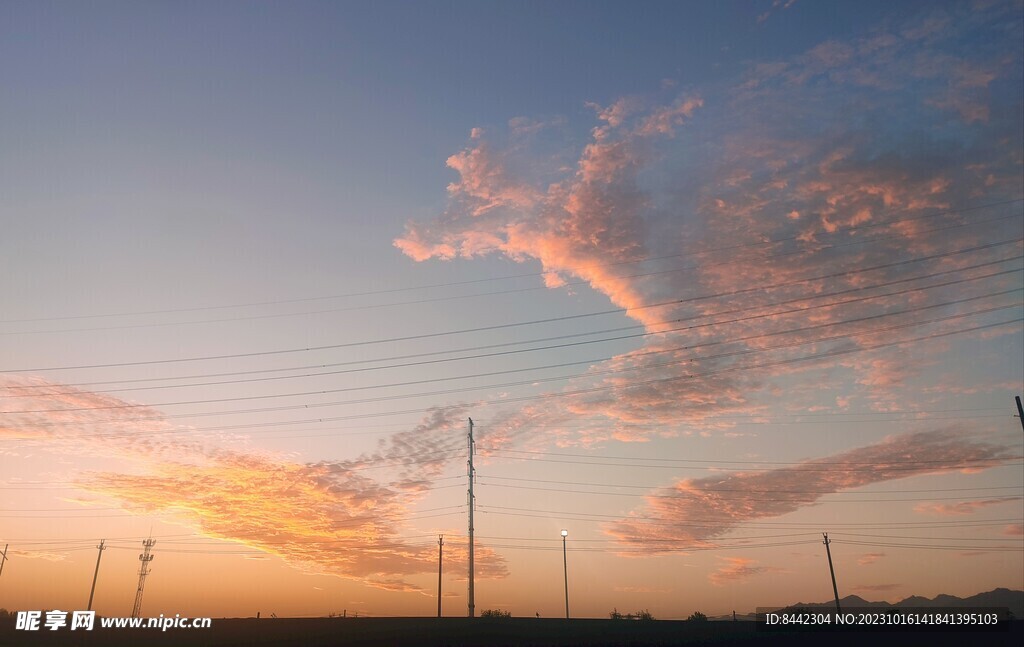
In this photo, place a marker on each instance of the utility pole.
(145, 558)
(96, 573)
(440, 548)
(565, 572)
(3, 558)
(472, 505)
(1020, 411)
(831, 571)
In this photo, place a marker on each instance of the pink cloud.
(836, 196)
(576, 224)
(869, 558)
(484, 181)
(737, 569)
(961, 507)
(692, 512)
(665, 120)
(616, 113)
(968, 93)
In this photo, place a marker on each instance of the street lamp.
(565, 569)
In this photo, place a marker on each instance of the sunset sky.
(711, 278)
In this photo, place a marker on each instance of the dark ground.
(361, 632)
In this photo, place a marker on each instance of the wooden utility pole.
(440, 548)
(472, 505)
(96, 573)
(835, 591)
(1020, 411)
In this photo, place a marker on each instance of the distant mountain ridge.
(1014, 600)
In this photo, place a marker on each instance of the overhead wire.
(698, 488)
(492, 387)
(957, 547)
(49, 388)
(698, 522)
(568, 393)
(892, 313)
(485, 448)
(735, 292)
(794, 499)
(842, 229)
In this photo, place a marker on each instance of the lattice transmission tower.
(145, 558)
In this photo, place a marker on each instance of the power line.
(684, 497)
(749, 490)
(133, 538)
(929, 537)
(680, 547)
(154, 513)
(193, 539)
(979, 462)
(588, 423)
(588, 361)
(47, 485)
(894, 313)
(79, 509)
(518, 324)
(576, 515)
(525, 350)
(573, 270)
(346, 431)
(545, 396)
(999, 549)
(700, 461)
(653, 540)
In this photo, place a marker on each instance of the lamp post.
(565, 570)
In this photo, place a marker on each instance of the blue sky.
(277, 121)
(801, 220)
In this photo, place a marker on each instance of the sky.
(711, 280)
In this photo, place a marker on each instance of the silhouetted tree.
(697, 616)
(639, 615)
(495, 613)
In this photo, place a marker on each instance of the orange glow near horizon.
(754, 275)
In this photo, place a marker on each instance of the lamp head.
(565, 533)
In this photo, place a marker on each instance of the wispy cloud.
(869, 558)
(738, 569)
(960, 507)
(46, 555)
(640, 589)
(877, 588)
(777, 5)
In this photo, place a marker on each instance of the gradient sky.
(711, 278)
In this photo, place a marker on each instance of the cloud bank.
(325, 517)
(889, 159)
